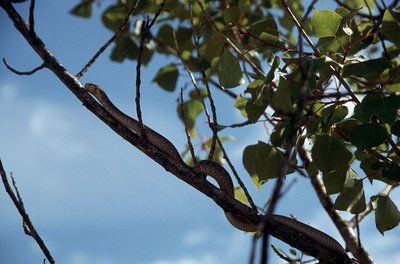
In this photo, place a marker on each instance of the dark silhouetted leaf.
(330, 154)
(387, 215)
(229, 72)
(367, 136)
(166, 77)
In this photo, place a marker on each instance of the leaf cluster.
(335, 94)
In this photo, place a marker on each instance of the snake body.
(214, 170)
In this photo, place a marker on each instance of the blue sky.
(92, 196)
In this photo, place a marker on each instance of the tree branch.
(344, 229)
(180, 170)
(29, 228)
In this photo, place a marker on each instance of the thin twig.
(23, 72)
(32, 16)
(18, 203)
(308, 11)
(143, 33)
(238, 179)
(189, 141)
(145, 29)
(214, 124)
(108, 43)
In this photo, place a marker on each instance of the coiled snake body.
(212, 169)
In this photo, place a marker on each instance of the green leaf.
(363, 69)
(124, 48)
(192, 110)
(261, 94)
(166, 77)
(281, 99)
(330, 154)
(239, 195)
(231, 15)
(262, 162)
(390, 171)
(387, 215)
(214, 45)
(83, 9)
(267, 28)
(385, 108)
(229, 72)
(391, 26)
(367, 136)
(240, 104)
(395, 128)
(325, 23)
(114, 16)
(334, 180)
(351, 197)
(332, 115)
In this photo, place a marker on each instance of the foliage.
(307, 94)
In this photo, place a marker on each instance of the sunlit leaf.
(325, 23)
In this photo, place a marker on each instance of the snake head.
(93, 89)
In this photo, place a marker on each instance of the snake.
(212, 169)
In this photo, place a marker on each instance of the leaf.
(325, 23)
(332, 115)
(334, 180)
(262, 162)
(369, 67)
(239, 195)
(261, 94)
(192, 110)
(351, 197)
(167, 77)
(267, 28)
(330, 154)
(114, 16)
(231, 15)
(391, 26)
(390, 171)
(281, 99)
(387, 215)
(367, 136)
(240, 104)
(385, 108)
(214, 45)
(395, 128)
(124, 48)
(229, 72)
(83, 9)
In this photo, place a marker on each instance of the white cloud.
(47, 120)
(195, 237)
